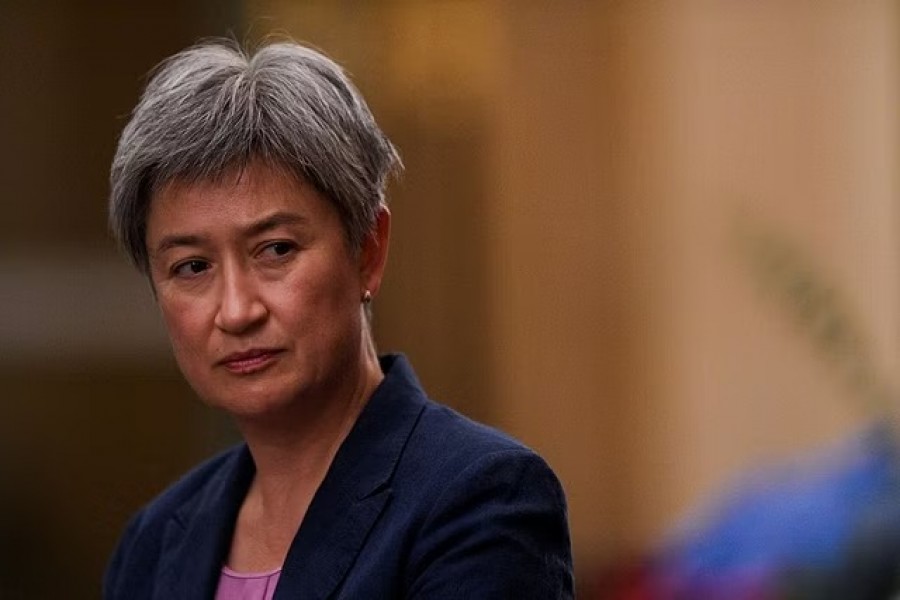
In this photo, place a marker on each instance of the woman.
(250, 191)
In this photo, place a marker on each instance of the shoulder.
(456, 446)
(139, 546)
(460, 449)
(495, 521)
(435, 443)
(442, 424)
(189, 489)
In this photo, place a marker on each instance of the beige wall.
(555, 294)
(778, 118)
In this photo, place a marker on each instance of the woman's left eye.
(278, 249)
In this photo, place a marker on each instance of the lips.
(250, 361)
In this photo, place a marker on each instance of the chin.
(251, 407)
(246, 399)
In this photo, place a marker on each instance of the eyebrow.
(274, 220)
(263, 225)
(174, 241)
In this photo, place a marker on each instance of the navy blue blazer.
(419, 502)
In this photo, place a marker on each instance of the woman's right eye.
(190, 268)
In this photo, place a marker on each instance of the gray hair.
(214, 107)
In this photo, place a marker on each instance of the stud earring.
(367, 297)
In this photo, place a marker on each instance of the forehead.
(239, 198)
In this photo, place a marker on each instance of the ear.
(374, 251)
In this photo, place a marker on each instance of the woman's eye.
(190, 268)
(278, 249)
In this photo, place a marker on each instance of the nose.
(241, 309)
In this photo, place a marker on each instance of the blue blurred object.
(826, 527)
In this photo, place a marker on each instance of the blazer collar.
(351, 497)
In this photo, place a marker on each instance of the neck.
(299, 447)
(292, 454)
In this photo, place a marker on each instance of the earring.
(367, 297)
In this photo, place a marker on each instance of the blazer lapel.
(355, 491)
(198, 536)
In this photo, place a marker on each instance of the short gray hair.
(215, 107)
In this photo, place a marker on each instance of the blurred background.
(656, 241)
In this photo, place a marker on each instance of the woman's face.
(259, 289)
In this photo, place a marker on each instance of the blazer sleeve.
(499, 530)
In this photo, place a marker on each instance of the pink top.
(247, 586)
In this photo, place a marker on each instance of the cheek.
(184, 325)
(324, 286)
